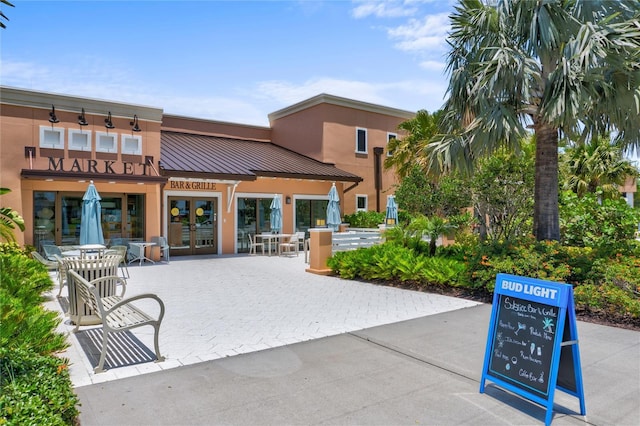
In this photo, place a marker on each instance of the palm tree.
(9, 219)
(563, 68)
(596, 165)
(2, 15)
(409, 151)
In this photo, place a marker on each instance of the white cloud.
(410, 95)
(418, 35)
(383, 9)
(433, 66)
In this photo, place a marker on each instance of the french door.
(193, 225)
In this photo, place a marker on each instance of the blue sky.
(233, 61)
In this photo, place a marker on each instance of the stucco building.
(202, 183)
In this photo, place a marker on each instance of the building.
(204, 184)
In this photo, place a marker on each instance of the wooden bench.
(117, 314)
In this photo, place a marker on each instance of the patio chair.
(253, 244)
(289, 245)
(135, 253)
(51, 251)
(122, 251)
(300, 235)
(51, 265)
(164, 247)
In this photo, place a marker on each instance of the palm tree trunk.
(546, 221)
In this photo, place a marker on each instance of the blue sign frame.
(532, 345)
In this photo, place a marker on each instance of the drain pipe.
(377, 171)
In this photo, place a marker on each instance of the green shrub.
(608, 299)
(608, 225)
(35, 384)
(25, 322)
(369, 219)
(392, 262)
(36, 389)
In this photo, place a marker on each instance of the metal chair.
(122, 251)
(51, 251)
(253, 244)
(164, 247)
(289, 245)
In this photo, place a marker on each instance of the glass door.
(192, 225)
(253, 217)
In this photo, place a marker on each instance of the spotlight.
(82, 119)
(108, 123)
(135, 127)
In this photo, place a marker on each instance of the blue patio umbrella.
(392, 211)
(90, 221)
(333, 209)
(276, 214)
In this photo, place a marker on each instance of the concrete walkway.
(365, 355)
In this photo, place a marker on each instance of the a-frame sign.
(532, 347)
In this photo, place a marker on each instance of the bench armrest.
(138, 297)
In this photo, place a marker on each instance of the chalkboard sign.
(532, 346)
(523, 343)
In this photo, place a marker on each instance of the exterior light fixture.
(82, 120)
(135, 127)
(52, 116)
(108, 123)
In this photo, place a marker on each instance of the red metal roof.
(213, 157)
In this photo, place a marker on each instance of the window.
(106, 142)
(361, 141)
(361, 203)
(132, 144)
(51, 137)
(389, 137)
(79, 140)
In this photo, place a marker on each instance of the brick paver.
(223, 306)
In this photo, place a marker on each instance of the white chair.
(300, 235)
(253, 244)
(289, 245)
(164, 247)
(122, 251)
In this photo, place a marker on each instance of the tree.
(409, 151)
(503, 194)
(9, 219)
(2, 15)
(563, 68)
(596, 165)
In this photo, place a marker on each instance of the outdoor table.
(90, 269)
(91, 249)
(141, 256)
(269, 238)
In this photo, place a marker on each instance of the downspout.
(377, 171)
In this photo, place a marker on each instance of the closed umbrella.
(276, 214)
(333, 209)
(90, 221)
(392, 211)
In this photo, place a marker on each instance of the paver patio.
(228, 305)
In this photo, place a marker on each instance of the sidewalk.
(421, 371)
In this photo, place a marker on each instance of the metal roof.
(213, 157)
